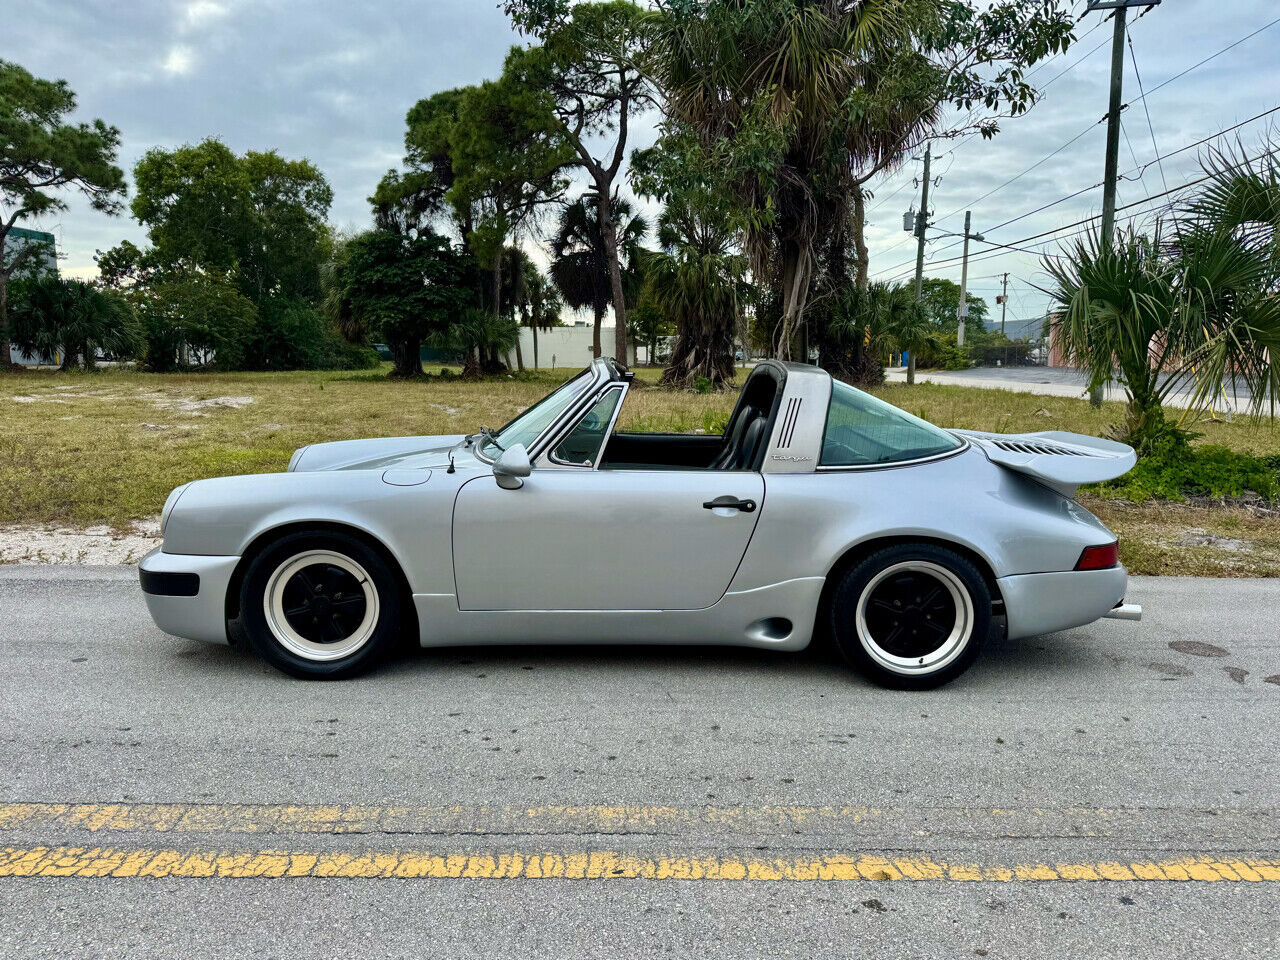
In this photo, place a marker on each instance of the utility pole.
(962, 311)
(922, 224)
(1004, 303)
(921, 229)
(1119, 13)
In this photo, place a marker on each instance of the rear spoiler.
(1057, 459)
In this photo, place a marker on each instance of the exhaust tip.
(1124, 611)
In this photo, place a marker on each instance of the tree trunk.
(534, 328)
(692, 360)
(609, 236)
(497, 284)
(861, 258)
(701, 354)
(595, 336)
(519, 354)
(406, 358)
(796, 268)
(911, 367)
(471, 367)
(6, 359)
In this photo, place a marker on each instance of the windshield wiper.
(492, 438)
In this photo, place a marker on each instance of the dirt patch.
(93, 545)
(1199, 538)
(1195, 648)
(199, 408)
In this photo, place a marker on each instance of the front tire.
(911, 616)
(320, 606)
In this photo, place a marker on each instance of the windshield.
(527, 426)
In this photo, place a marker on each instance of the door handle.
(732, 503)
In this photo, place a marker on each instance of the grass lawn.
(106, 448)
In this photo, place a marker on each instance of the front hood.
(382, 453)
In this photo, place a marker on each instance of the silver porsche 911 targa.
(820, 509)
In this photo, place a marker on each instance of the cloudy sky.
(331, 80)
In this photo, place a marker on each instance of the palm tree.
(695, 282)
(579, 261)
(878, 319)
(767, 84)
(481, 334)
(1191, 311)
(52, 315)
(539, 303)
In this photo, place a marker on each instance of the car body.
(591, 534)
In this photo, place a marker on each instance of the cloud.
(331, 80)
(201, 13)
(179, 60)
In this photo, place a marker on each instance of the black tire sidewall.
(849, 589)
(253, 621)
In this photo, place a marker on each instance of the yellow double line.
(598, 865)
(692, 826)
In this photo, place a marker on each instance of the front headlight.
(297, 455)
(169, 504)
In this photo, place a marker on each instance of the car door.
(587, 539)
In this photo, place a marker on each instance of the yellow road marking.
(64, 861)
(45, 834)
(600, 819)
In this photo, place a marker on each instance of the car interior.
(740, 447)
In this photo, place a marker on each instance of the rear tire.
(320, 606)
(911, 616)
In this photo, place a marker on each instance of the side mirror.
(511, 466)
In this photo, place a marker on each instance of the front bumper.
(187, 595)
(1037, 603)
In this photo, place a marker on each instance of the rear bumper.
(187, 594)
(1037, 603)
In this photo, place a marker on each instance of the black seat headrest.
(733, 441)
(750, 444)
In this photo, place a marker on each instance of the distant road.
(1112, 791)
(1051, 381)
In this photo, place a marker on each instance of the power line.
(973, 113)
(1082, 224)
(1095, 186)
(1212, 56)
(1141, 99)
(1133, 57)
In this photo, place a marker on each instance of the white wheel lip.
(949, 650)
(294, 642)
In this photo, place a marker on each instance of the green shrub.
(943, 353)
(1180, 471)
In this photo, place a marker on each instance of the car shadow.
(1001, 659)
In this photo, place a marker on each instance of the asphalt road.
(659, 777)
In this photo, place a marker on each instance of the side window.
(582, 446)
(862, 430)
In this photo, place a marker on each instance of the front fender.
(223, 516)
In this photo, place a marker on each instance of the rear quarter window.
(864, 431)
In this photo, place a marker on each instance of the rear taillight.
(1099, 558)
